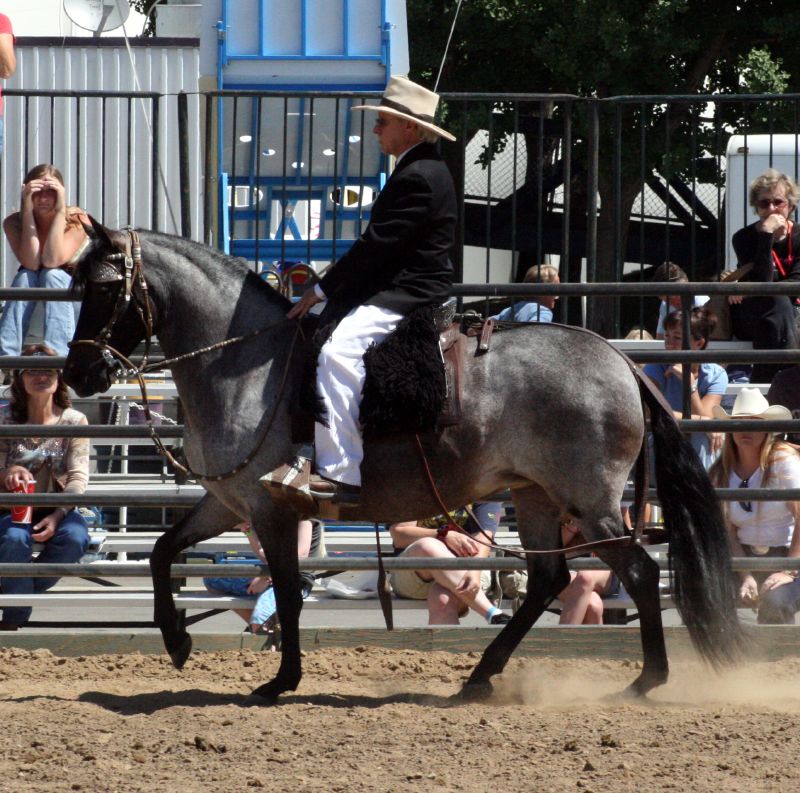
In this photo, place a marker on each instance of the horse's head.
(116, 311)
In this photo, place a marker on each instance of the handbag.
(723, 331)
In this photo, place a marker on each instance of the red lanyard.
(789, 258)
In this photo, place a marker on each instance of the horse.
(551, 412)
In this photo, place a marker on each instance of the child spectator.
(673, 274)
(539, 310)
(709, 381)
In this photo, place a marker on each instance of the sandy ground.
(377, 720)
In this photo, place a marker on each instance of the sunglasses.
(40, 372)
(747, 506)
(766, 203)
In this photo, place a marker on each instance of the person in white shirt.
(762, 528)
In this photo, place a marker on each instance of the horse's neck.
(199, 309)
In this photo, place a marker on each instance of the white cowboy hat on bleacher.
(752, 404)
(408, 100)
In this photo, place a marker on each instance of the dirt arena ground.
(379, 720)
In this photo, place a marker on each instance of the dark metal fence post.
(592, 165)
(183, 164)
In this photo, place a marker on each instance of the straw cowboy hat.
(752, 404)
(408, 100)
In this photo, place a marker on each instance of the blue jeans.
(59, 318)
(264, 607)
(16, 547)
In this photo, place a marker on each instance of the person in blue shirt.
(539, 310)
(708, 381)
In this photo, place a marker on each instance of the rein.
(488, 542)
(132, 275)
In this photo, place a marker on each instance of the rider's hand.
(304, 305)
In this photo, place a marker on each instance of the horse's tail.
(702, 581)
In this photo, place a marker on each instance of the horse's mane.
(216, 265)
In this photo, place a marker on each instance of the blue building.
(297, 170)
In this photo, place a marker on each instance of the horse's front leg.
(277, 530)
(538, 526)
(639, 574)
(208, 518)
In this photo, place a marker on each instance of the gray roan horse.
(551, 412)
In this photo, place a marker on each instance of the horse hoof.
(182, 652)
(269, 693)
(476, 692)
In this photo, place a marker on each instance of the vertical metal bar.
(337, 185)
(360, 210)
(619, 258)
(183, 164)
(29, 127)
(208, 179)
(154, 100)
(539, 180)
(78, 128)
(693, 114)
(489, 143)
(346, 27)
(284, 202)
(686, 310)
(232, 180)
(566, 158)
(255, 194)
(310, 179)
(514, 252)
(721, 247)
(131, 111)
(103, 142)
(746, 158)
(668, 189)
(592, 166)
(52, 131)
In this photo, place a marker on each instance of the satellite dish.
(97, 15)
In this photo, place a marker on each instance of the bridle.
(126, 266)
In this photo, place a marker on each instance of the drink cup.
(20, 514)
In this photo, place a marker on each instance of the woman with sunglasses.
(56, 465)
(772, 246)
(761, 528)
(47, 237)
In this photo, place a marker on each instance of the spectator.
(709, 381)
(56, 465)
(539, 310)
(262, 618)
(673, 274)
(8, 64)
(638, 334)
(450, 593)
(761, 528)
(582, 599)
(47, 237)
(772, 246)
(785, 390)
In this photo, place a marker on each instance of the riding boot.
(297, 486)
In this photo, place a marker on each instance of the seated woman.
(46, 236)
(669, 272)
(709, 381)
(762, 528)
(772, 246)
(450, 593)
(57, 465)
(262, 618)
(582, 599)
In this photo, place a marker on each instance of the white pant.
(340, 377)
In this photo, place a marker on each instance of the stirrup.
(289, 484)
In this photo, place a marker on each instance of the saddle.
(413, 377)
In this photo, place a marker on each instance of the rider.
(401, 262)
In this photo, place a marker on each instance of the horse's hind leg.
(207, 519)
(277, 530)
(538, 526)
(639, 574)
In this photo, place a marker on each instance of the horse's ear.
(97, 231)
